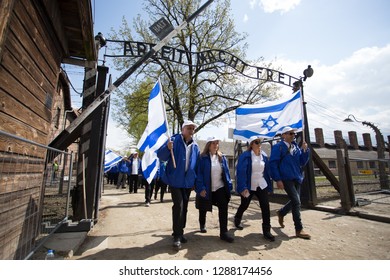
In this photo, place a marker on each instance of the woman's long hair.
(206, 151)
(249, 146)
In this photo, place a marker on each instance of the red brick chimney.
(388, 145)
(353, 139)
(338, 138)
(367, 141)
(319, 134)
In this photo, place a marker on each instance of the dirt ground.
(127, 230)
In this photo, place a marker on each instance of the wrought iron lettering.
(204, 58)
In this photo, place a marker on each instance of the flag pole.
(299, 86)
(166, 121)
(302, 116)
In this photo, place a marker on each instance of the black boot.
(237, 223)
(226, 237)
(267, 233)
(176, 242)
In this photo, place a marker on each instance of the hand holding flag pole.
(170, 147)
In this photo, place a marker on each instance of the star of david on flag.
(269, 118)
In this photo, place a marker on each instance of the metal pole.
(69, 184)
(380, 142)
(309, 194)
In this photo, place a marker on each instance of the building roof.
(78, 40)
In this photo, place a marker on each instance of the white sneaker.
(147, 204)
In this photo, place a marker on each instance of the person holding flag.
(286, 163)
(180, 175)
(181, 153)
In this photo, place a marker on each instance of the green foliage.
(132, 109)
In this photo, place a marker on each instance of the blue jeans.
(293, 190)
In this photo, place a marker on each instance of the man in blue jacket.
(180, 178)
(286, 163)
(134, 171)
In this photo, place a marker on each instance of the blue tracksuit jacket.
(203, 177)
(178, 177)
(284, 165)
(244, 172)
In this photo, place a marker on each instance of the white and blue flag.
(110, 159)
(269, 118)
(155, 134)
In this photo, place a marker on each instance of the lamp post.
(309, 194)
(380, 142)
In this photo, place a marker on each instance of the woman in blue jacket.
(253, 178)
(213, 186)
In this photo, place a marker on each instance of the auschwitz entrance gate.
(146, 51)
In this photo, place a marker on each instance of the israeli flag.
(269, 118)
(155, 134)
(110, 159)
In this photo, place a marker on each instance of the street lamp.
(380, 142)
(309, 181)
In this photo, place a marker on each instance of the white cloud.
(252, 4)
(117, 138)
(357, 85)
(283, 6)
(246, 18)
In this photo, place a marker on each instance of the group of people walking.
(207, 172)
(183, 167)
(129, 172)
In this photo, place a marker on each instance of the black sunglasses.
(291, 133)
(257, 142)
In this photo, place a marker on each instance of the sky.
(347, 43)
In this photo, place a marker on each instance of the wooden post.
(348, 176)
(345, 199)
